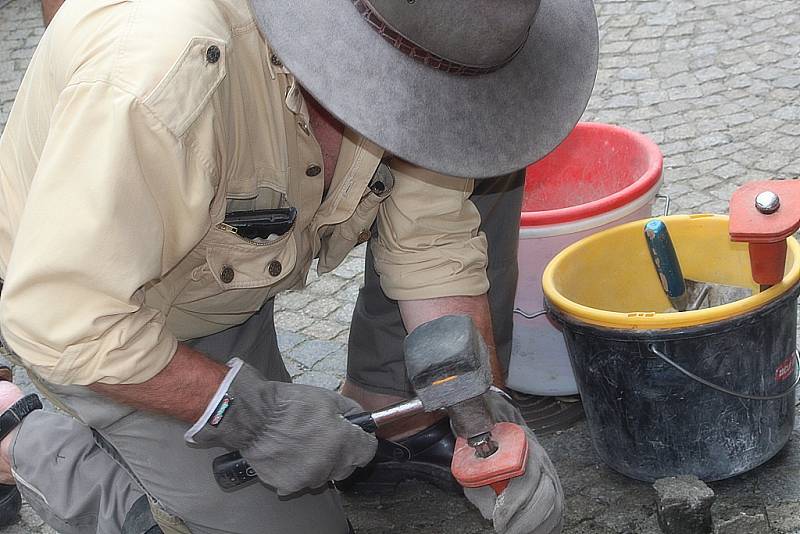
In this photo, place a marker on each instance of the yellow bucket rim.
(649, 320)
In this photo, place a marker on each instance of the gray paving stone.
(350, 268)
(319, 379)
(744, 523)
(359, 252)
(319, 308)
(788, 113)
(344, 313)
(334, 363)
(293, 321)
(288, 340)
(634, 73)
(350, 291)
(343, 338)
(622, 101)
(293, 368)
(309, 353)
(293, 300)
(324, 329)
(327, 285)
(790, 81)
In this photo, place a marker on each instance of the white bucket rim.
(551, 230)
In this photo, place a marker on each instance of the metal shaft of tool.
(472, 421)
(398, 411)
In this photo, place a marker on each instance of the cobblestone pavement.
(715, 83)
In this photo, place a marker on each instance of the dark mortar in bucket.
(649, 420)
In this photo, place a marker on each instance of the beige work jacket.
(138, 125)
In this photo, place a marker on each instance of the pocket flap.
(236, 262)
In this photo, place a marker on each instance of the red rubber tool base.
(508, 462)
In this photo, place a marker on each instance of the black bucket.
(713, 401)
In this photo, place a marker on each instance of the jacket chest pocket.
(237, 275)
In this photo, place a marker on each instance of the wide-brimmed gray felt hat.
(470, 88)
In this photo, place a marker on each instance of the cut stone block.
(684, 505)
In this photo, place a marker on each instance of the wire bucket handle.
(667, 201)
(727, 391)
(529, 315)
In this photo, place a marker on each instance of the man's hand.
(9, 394)
(294, 436)
(533, 503)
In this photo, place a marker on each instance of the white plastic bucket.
(628, 168)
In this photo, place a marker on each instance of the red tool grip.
(767, 261)
(497, 470)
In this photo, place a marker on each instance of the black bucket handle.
(721, 389)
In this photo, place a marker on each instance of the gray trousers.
(92, 472)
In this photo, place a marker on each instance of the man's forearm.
(181, 390)
(417, 312)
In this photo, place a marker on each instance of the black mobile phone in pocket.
(261, 223)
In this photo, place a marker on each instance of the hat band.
(419, 53)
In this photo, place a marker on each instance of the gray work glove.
(533, 503)
(294, 436)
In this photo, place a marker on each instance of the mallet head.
(447, 362)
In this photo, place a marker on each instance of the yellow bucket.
(608, 279)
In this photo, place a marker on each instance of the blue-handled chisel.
(666, 263)
(684, 294)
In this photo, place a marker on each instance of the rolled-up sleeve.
(428, 241)
(117, 200)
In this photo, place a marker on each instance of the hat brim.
(477, 126)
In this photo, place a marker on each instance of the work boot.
(10, 499)
(424, 456)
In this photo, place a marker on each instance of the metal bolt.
(767, 202)
(484, 445)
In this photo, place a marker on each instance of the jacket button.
(378, 187)
(275, 61)
(213, 54)
(226, 275)
(313, 170)
(364, 236)
(275, 268)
